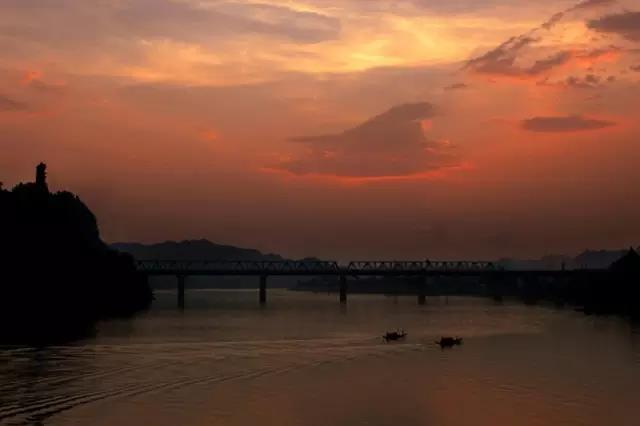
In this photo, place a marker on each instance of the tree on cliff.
(57, 277)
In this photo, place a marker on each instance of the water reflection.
(306, 360)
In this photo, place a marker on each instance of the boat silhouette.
(394, 335)
(449, 342)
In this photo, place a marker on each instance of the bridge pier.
(422, 291)
(263, 289)
(343, 289)
(496, 286)
(181, 284)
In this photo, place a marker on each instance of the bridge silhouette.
(181, 269)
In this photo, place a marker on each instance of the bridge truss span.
(238, 267)
(312, 267)
(372, 268)
(386, 267)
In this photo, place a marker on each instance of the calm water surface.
(305, 360)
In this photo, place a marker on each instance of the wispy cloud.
(591, 4)
(625, 24)
(457, 86)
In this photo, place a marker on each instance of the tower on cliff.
(41, 176)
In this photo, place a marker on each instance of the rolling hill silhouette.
(191, 250)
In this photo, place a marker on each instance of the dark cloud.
(586, 4)
(390, 144)
(502, 60)
(549, 63)
(590, 4)
(457, 86)
(448, 6)
(590, 81)
(8, 104)
(569, 123)
(583, 5)
(553, 21)
(626, 24)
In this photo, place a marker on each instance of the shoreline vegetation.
(58, 278)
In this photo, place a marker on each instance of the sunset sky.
(337, 128)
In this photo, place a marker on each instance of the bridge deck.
(357, 268)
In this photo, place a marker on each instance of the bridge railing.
(308, 267)
(257, 266)
(421, 265)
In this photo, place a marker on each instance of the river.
(306, 360)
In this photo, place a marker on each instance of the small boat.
(394, 335)
(449, 342)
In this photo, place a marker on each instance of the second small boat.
(449, 342)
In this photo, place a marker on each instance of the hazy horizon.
(285, 256)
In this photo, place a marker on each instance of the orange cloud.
(29, 76)
(588, 59)
(34, 79)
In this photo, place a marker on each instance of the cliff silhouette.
(57, 276)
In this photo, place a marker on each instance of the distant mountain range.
(191, 250)
(589, 259)
(202, 250)
(206, 250)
